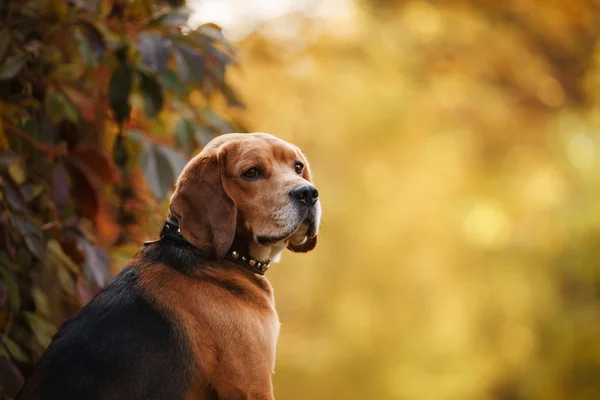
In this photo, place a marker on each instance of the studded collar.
(171, 231)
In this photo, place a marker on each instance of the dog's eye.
(252, 173)
(299, 167)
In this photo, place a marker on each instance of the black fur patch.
(191, 261)
(119, 346)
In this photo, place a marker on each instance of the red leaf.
(98, 162)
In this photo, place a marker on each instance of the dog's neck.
(241, 255)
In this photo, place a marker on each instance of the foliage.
(455, 148)
(95, 96)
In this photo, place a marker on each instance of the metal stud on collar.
(257, 266)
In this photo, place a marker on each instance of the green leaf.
(119, 89)
(12, 288)
(14, 349)
(42, 329)
(169, 80)
(31, 191)
(153, 95)
(11, 67)
(58, 106)
(185, 136)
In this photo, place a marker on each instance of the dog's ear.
(305, 247)
(206, 214)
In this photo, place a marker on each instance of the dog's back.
(119, 346)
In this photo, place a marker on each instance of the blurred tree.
(101, 102)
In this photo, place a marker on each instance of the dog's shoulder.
(120, 345)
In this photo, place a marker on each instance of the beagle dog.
(192, 316)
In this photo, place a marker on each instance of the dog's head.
(255, 187)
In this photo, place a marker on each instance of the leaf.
(94, 37)
(215, 121)
(31, 191)
(204, 135)
(32, 236)
(57, 254)
(8, 157)
(176, 161)
(13, 197)
(231, 96)
(153, 95)
(118, 92)
(212, 31)
(85, 50)
(3, 299)
(86, 186)
(41, 328)
(88, 5)
(4, 260)
(184, 135)
(97, 161)
(175, 17)
(11, 67)
(153, 49)
(58, 106)
(60, 186)
(190, 63)
(14, 349)
(17, 173)
(157, 171)
(97, 263)
(66, 280)
(4, 42)
(41, 302)
(12, 288)
(11, 379)
(170, 81)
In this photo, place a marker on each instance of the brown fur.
(229, 314)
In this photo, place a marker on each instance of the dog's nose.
(307, 194)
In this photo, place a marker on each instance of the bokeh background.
(454, 144)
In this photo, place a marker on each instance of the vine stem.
(41, 146)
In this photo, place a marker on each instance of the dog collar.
(171, 231)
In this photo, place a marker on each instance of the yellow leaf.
(57, 254)
(16, 172)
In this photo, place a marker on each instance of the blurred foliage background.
(454, 144)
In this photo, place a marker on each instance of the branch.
(36, 143)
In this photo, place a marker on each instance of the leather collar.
(171, 231)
